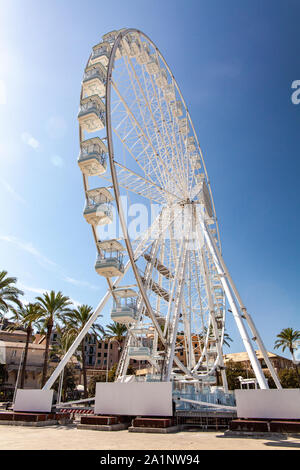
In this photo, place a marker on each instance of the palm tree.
(116, 331)
(226, 339)
(9, 294)
(52, 307)
(288, 338)
(75, 321)
(25, 317)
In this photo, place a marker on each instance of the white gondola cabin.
(94, 80)
(183, 126)
(131, 45)
(169, 93)
(162, 78)
(124, 306)
(101, 53)
(200, 177)
(98, 208)
(139, 353)
(143, 56)
(190, 144)
(152, 65)
(93, 157)
(91, 115)
(112, 35)
(177, 109)
(110, 262)
(197, 164)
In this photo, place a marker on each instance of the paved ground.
(70, 438)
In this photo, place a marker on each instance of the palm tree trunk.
(84, 370)
(48, 336)
(29, 331)
(295, 365)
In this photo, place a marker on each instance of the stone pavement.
(69, 438)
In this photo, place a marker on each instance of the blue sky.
(234, 62)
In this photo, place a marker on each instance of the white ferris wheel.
(139, 152)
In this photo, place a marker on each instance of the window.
(99, 354)
(105, 354)
(104, 362)
(99, 360)
(106, 346)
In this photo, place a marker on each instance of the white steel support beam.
(214, 324)
(233, 304)
(254, 331)
(178, 301)
(83, 332)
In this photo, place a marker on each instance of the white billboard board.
(33, 400)
(274, 404)
(135, 398)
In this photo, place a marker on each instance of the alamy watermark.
(295, 96)
(154, 221)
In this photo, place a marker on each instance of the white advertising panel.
(2, 353)
(136, 398)
(33, 400)
(275, 404)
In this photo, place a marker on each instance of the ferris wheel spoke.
(159, 134)
(140, 150)
(160, 225)
(161, 165)
(135, 183)
(170, 132)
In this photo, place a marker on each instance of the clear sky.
(234, 62)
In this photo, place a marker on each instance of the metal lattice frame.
(181, 278)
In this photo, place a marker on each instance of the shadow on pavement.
(294, 445)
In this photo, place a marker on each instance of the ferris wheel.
(166, 278)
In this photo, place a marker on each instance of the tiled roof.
(243, 356)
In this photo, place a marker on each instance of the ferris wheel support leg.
(214, 323)
(174, 326)
(261, 345)
(253, 329)
(225, 281)
(82, 333)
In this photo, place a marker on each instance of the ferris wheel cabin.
(169, 93)
(152, 65)
(162, 78)
(91, 115)
(98, 209)
(100, 54)
(190, 144)
(124, 306)
(94, 80)
(183, 126)
(177, 109)
(110, 262)
(139, 353)
(143, 56)
(93, 157)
